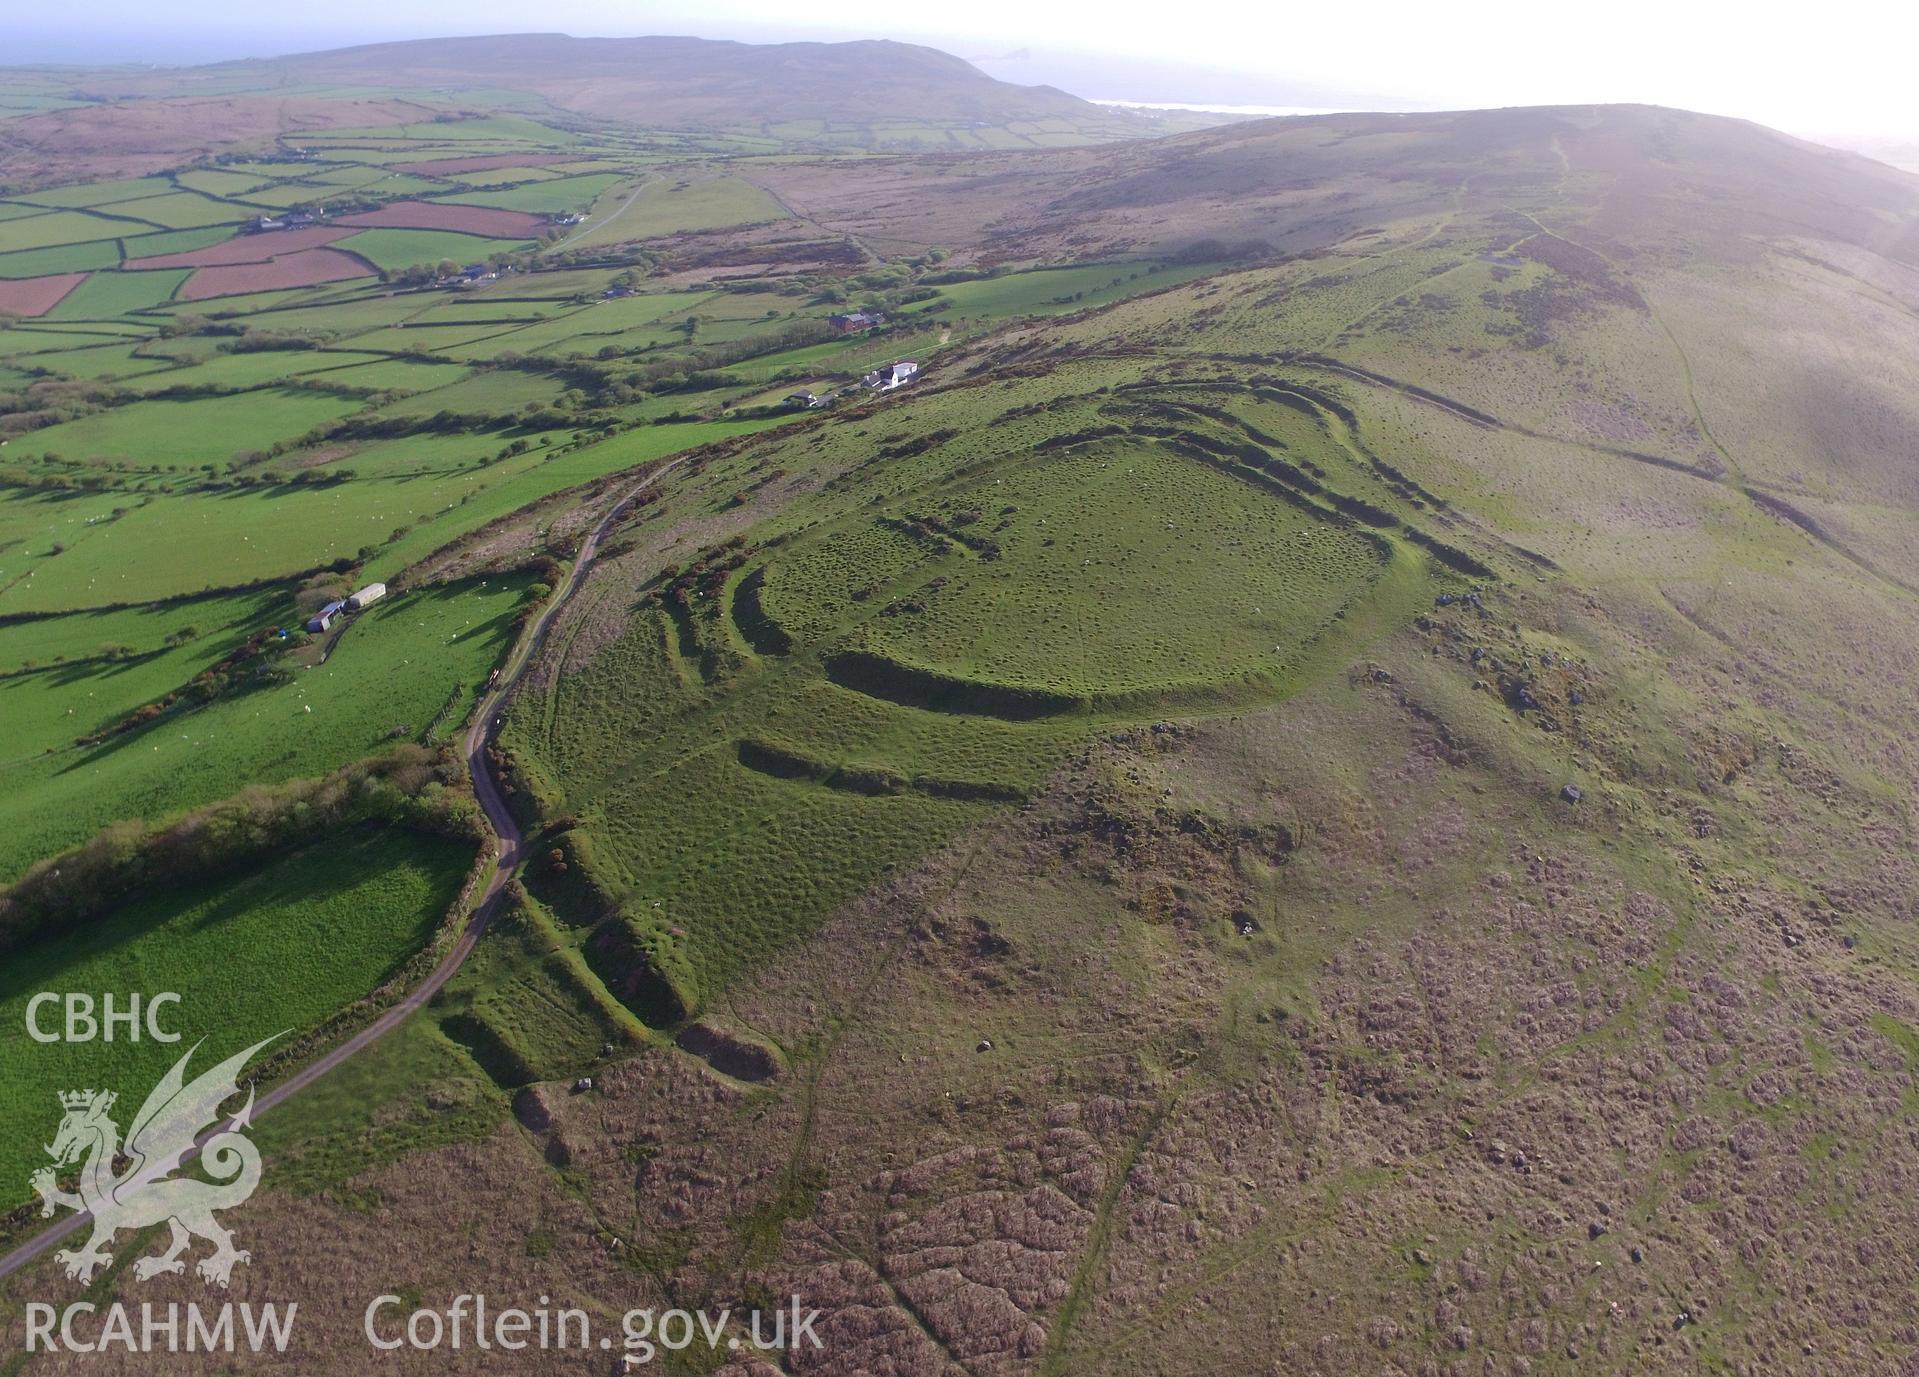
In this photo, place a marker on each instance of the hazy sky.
(1841, 67)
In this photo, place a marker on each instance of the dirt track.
(507, 833)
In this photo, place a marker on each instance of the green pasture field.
(570, 333)
(175, 241)
(47, 708)
(358, 175)
(282, 195)
(252, 369)
(485, 307)
(274, 949)
(267, 169)
(356, 315)
(182, 210)
(41, 345)
(356, 181)
(492, 392)
(666, 206)
(189, 434)
(506, 176)
(141, 630)
(732, 317)
(398, 374)
(583, 329)
(96, 360)
(92, 329)
(174, 545)
(404, 248)
(408, 669)
(109, 294)
(432, 339)
(100, 193)
(557, 285)
(261, 309)
(69, 258)
(1054, 291)
(59, 227)
(468, 456)
(542, 198)
(213, 181)
(541, 474)
(168, 545)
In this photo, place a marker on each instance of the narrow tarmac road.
(509, 842)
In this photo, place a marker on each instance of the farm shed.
(322, 619)
(856, 320)
(368, 595)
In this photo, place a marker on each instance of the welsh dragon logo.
(158, 1144)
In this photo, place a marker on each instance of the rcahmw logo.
(159, 1141)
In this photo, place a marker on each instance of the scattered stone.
(1850, 941)
(1445, 600)
(1638, 1254)
(1595, 1230)
(1572, 793)
(985, 1045)
(1575, 698)
(582, 1085)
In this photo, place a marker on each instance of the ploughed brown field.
(35, 296)
(246, 248)
(481, 220)
(291, 270)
